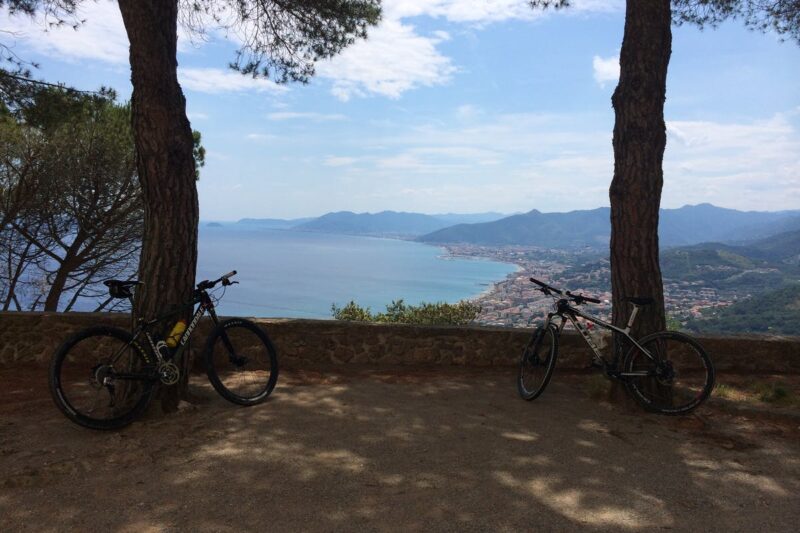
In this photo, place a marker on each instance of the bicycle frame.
(206, 304)
(566, 312)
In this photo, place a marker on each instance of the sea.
(284, 273)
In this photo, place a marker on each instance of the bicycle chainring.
(168, 373)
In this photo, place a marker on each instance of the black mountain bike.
(103, 377)
(666, 372)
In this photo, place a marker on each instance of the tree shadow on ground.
(392, 449)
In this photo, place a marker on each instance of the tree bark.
(639, 142)
(56, 288)
(165, 164)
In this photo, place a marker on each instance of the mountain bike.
(666, 372)
(103, 377)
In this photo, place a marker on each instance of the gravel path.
(394, 450)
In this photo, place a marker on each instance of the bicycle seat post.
(632, 318)
(133, 313)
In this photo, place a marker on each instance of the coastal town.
(516, 302)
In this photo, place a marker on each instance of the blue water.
(296, 274)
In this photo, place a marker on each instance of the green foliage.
(780, 16)
(352, 312)
(776, 312)
(673, 324)
(398, 312)
(771, 392)
(283, 40)
(199, 153)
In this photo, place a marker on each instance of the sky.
(460, 106)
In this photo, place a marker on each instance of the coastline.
(493, 291)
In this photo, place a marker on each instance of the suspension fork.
(226, 341)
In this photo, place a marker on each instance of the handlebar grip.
(229, 274)
(579, 298)
(545, 286)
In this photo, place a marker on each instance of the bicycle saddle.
(118, 288)
(639, 300)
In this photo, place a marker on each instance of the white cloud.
(101, 37)
(260, 137)
(334, 161)
(396, 58)
(393, 60)
(216, 81)
(554, 162)
(197, 116)
(753, 165)
(486, 11)
(317, 117)
(605, 69)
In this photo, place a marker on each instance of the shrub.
(398, 312)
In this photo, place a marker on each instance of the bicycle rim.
(242, 363)
(677, 380)
(99, 379)
(537, 364)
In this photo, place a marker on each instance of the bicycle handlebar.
(580, 298)
(545, 286)
(205, 284)
(577, 298)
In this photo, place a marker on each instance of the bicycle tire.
(681, 381)
(252, 363)
(531, 364)
(79, 367)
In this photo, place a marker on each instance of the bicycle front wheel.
(241, 362)
(537, 364)
(101, 378)
(675, 378)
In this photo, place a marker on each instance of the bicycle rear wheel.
(101, 378)
(678, 378)
(241, 362)
(537, 364)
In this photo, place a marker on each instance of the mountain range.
(384, 223)
(691, 224)
(591, 228)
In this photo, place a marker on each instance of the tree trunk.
(165, 164)
(639, 142)
(65, 268)
(57, 287)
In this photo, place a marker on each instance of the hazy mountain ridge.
(384, 223)
(683, 226)
(273, 223)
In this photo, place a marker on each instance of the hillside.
(551, 230)
(691, 224)
(764, 264)
(469, 218)
(775, 312)
(783, 247)
(684, 226)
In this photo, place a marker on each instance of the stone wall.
(33, 337)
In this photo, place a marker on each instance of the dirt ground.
(395, 449)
